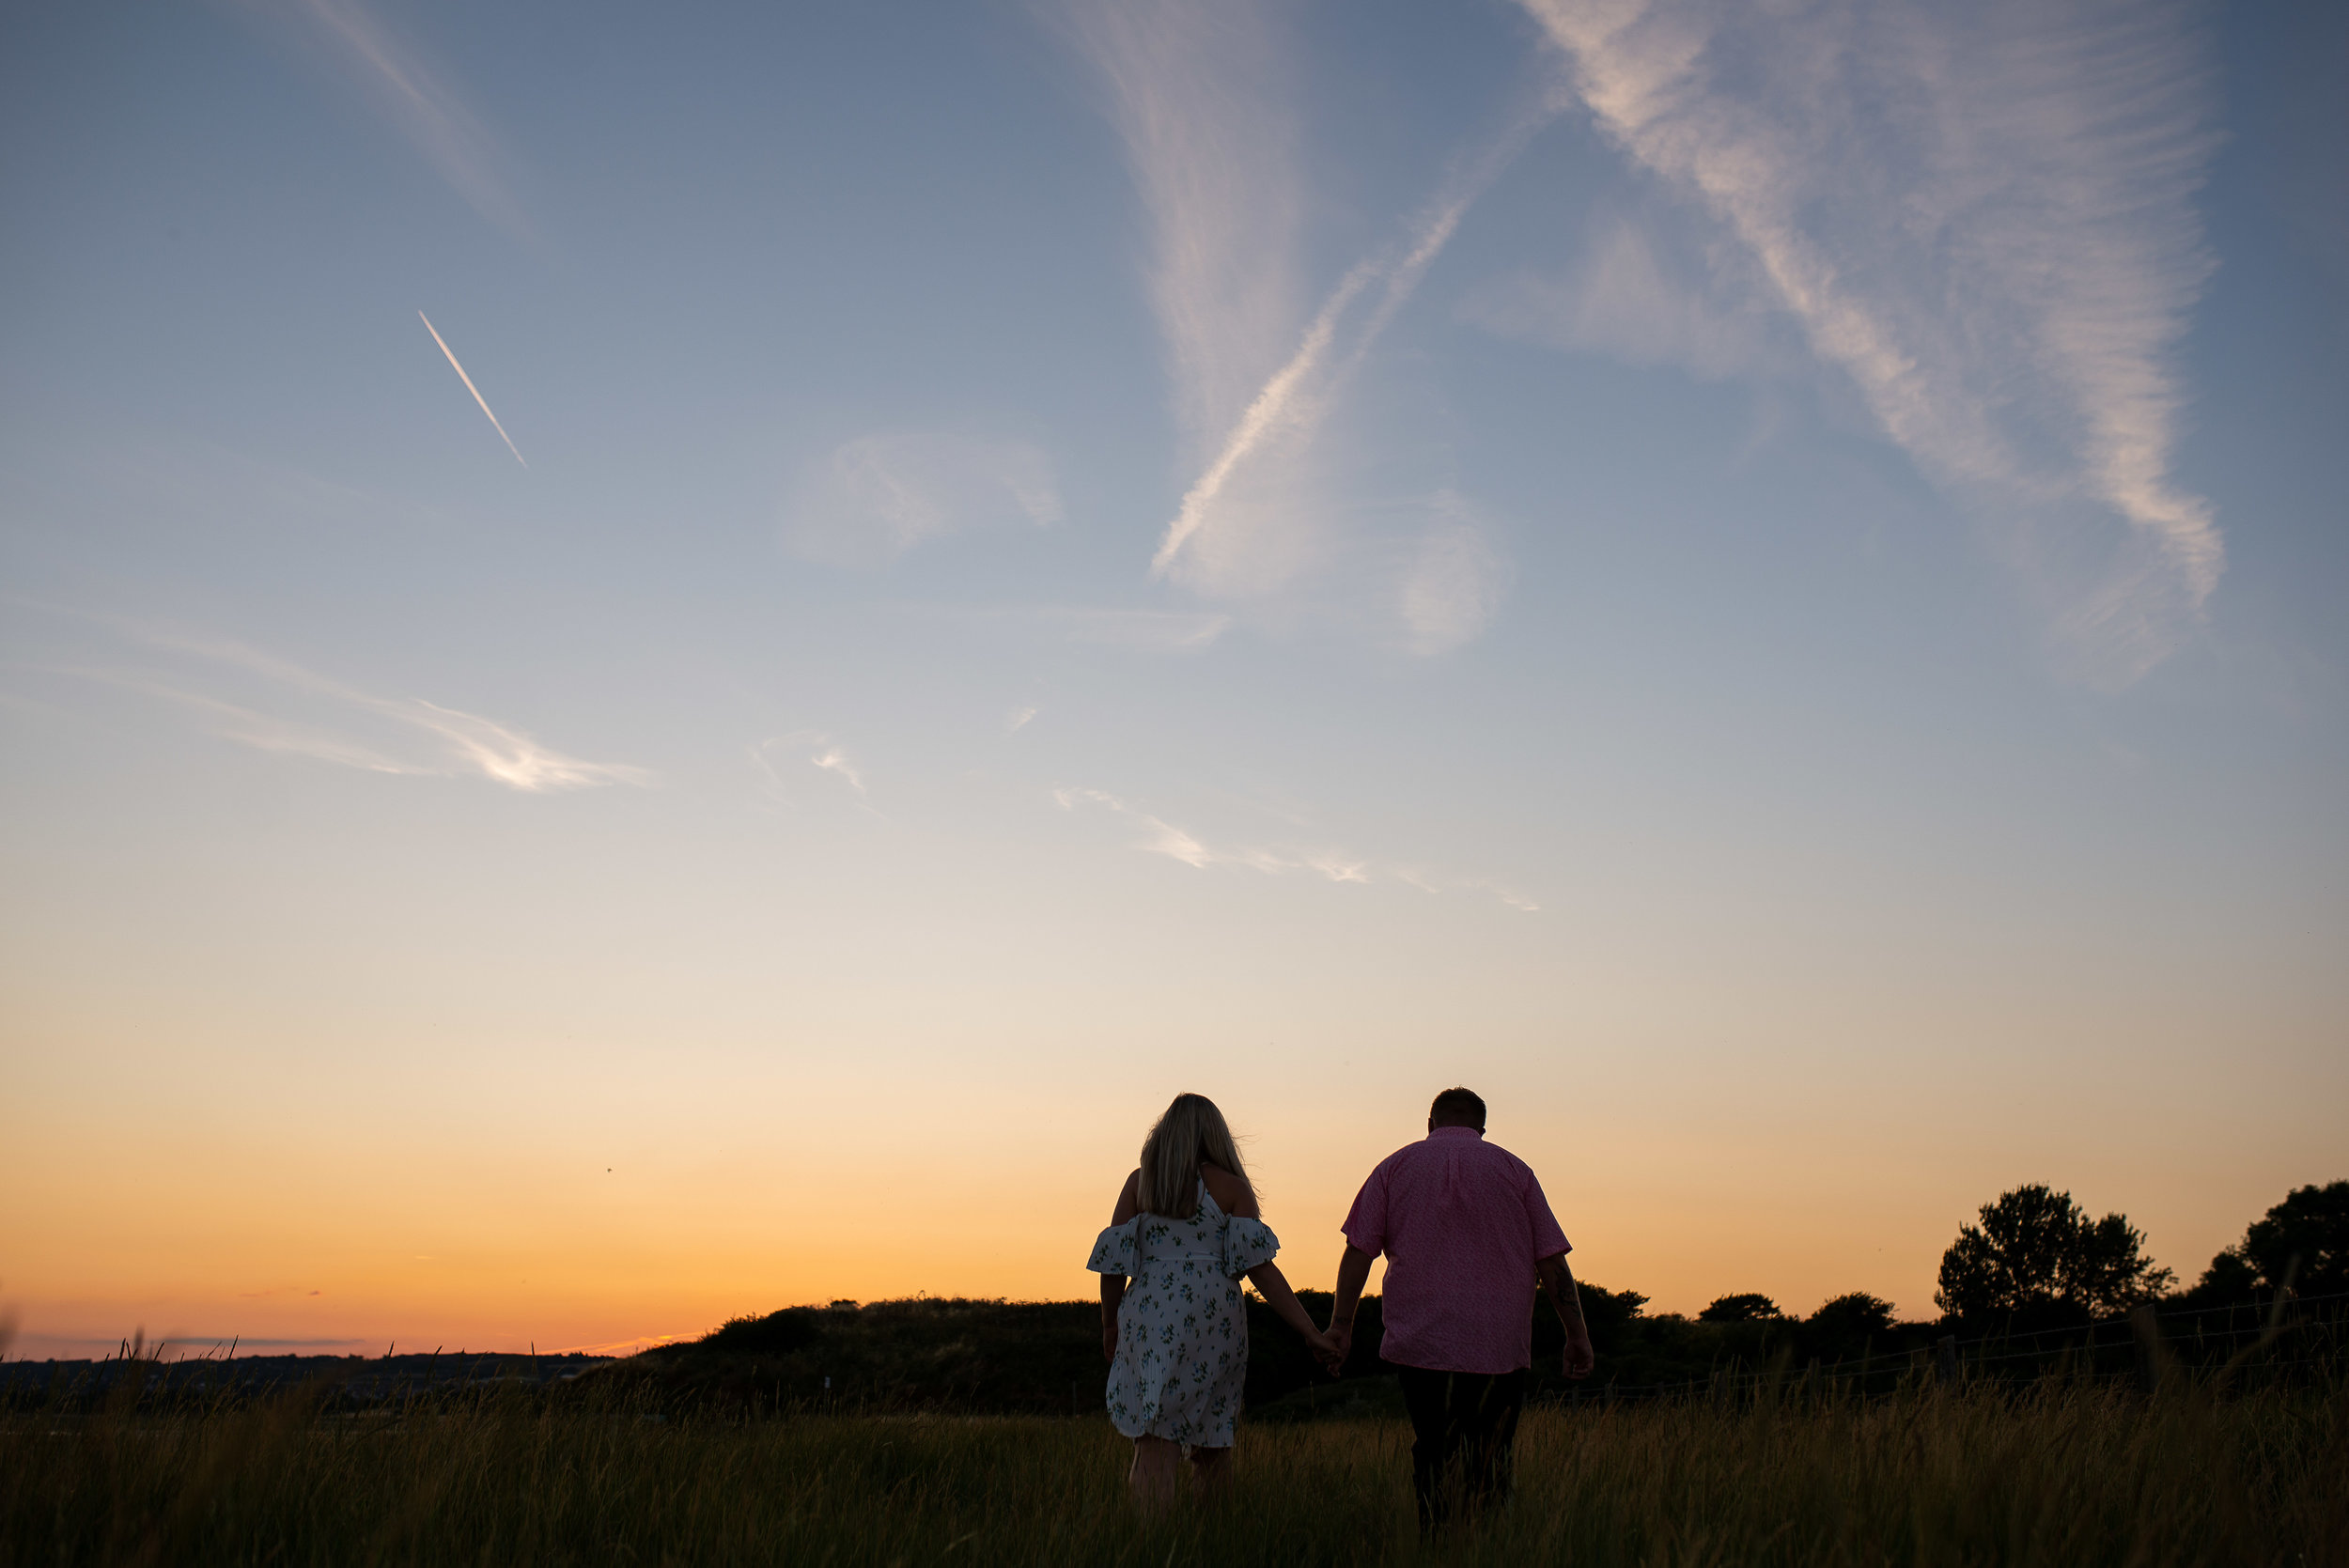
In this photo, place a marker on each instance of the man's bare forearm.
(1564, 1300)
(1353, 1274)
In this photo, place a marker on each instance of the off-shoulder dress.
(1182, 1334)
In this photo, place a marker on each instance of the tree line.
(2035, 1258)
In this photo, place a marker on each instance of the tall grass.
(2079, 1475)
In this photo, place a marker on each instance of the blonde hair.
(1191, 1131)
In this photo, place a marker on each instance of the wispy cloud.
(459, 742)
(509, 756)
(877, 497)
(1292, 402)
(1452, 587)
(469, 387)
(809, 749)
(1983, 216)
(1202, 97)
(1630, 299)
(1018, 719)
(264, 732)
(411, 94)
(831, 759)
(1161, 837)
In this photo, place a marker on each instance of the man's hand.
(1557, 1281)
(1342, 1345)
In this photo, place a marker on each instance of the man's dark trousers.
(1464, 1426)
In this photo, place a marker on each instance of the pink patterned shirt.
(1462, 1223)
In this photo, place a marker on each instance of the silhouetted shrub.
(1744, 1307)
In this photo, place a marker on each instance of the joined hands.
(1331, 1346)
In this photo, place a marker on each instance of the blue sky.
(1762, 583)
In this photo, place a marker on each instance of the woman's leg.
(1157, 1463)
(1210, 1470)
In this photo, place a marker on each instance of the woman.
(1185, 1231)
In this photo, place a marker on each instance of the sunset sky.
(658, 661)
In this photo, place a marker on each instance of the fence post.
(1945, 1358)
(2152, 1356)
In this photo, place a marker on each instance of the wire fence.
(2147, 1341)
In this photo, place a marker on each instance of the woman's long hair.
(1192, 1130)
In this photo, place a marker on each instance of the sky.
(657, 663)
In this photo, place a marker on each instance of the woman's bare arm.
(1113, 1285)
(1273, 1286)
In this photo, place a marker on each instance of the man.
(1467, 1234)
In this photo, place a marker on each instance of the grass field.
(2080, 1475)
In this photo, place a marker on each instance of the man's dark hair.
(1459, 1107)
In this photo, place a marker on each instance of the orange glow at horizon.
(564, 1238)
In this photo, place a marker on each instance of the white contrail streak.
(469, 387)
(1297, 394)
(1275, 406)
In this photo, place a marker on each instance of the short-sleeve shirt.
(1462, 1223)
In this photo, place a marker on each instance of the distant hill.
(1039, 1358)
(1044, 1356)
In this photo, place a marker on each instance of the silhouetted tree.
(1744, 1307)
(1856, 1317)
(2304, 1238)
(2036, 1249)
(1847, 1327)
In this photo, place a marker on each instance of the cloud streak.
(1982, 217)
(1200, 97)
(469, 387)
(879, 496)
(1161, 837)
(411, 95)
(466, 742)
(817, 750)
(264, 732)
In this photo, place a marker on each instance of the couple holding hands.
(1467, 1234)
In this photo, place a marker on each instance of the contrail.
(1273, 407)
(469, 387)
(1294, 397)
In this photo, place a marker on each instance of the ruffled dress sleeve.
(1116, 1251)
(1247, 1244)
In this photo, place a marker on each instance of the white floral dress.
(1182, 1334)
